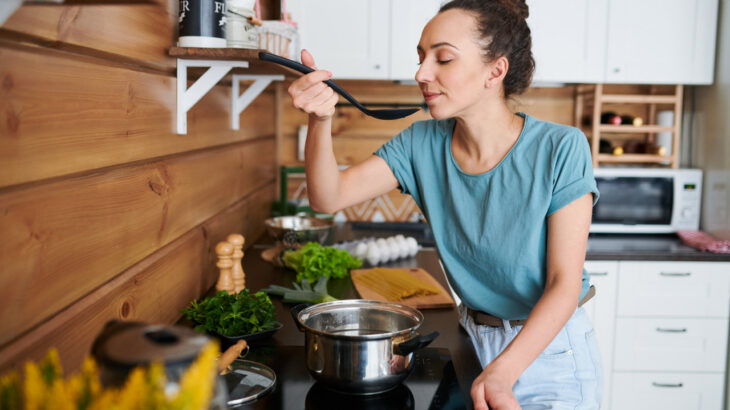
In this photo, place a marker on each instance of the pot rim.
(373, 304)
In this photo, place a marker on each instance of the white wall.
(711, 135)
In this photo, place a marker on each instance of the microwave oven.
(647, 200)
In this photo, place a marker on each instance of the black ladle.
(386, 114)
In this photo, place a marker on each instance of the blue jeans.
(566, 375)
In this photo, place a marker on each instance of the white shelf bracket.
(187, 97)
(240, 102)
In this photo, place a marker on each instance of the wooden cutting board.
(440, 300)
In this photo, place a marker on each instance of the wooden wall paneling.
(153, 290)
(142, 33)
(246, 217)
(547, 104)
(78, 116)
(348, 151)
(138, 34)
(61, 240)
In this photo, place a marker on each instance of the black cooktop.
(432, 385)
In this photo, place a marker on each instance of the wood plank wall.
(105, 212)
(357, 136)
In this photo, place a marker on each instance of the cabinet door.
(408, 17)
(668, 391)
(674, 289)
(568, 39)
(350, 38)
(661, 41)
(601, 311)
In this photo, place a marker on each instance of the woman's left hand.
(493, 391)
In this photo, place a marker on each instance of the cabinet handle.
(675, 274)
(377, 66)
(665, 330)
(598, 273)
(655, 384)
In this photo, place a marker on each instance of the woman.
(507, 196)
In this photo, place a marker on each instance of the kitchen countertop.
(636, 247)
(453, 345)
(260, 274)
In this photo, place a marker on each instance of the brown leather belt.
(485, 319)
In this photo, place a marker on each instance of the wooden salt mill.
(239, 277)
(224, 250)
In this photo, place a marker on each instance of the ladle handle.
(273, 58)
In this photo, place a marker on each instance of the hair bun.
(519, 7)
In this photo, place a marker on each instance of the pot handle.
(295, 314)
(413, 344)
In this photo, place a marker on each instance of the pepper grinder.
(224, 250)
(239, 277)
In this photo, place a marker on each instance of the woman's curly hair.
(503, 29)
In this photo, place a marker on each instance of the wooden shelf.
(634, 158)
(591, 98)
(639, 99)
(643, 129)
(218, 63)
(255, 66)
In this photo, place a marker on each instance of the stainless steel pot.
(360, 346)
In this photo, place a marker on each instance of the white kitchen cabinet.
(573, 41)
(601, 309)
(667, 391)
(374, 39)
(670, 345)
(568, 40)
(350, 38)
(674, 289)
(408, 18)
(668, 326)
(661, 41)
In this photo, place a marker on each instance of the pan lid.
(248, 381)
(130, 344)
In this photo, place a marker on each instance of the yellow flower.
(10, 391)
(196, 385)
(50, 367)
(34, 388)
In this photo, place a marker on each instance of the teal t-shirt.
(491, 228)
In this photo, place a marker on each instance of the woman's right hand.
(310, 94)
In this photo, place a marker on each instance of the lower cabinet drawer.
(667, 391)
(672, 345)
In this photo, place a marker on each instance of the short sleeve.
(398, 154)
(572, 171)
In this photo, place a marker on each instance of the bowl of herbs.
(232, 317)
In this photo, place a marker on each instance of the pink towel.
(704, 242)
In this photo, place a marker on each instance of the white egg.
(385, 254)
(361, 251)
(403, 247)
(394, 248)
(412, 245)
(373, 254)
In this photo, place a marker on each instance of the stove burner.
(320, 397)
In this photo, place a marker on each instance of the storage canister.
(202, 23)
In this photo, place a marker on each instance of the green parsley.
(232, 315)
